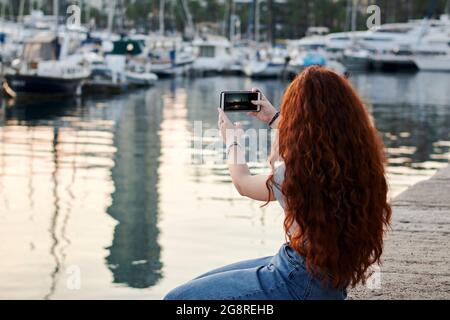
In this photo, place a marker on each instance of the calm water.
(107, 187)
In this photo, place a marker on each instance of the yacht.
(170, 56)
(433, 54)
(124, 65)
(391, 46)
(213, 55)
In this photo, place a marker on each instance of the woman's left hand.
(230, 132)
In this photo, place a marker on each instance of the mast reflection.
(135, 255)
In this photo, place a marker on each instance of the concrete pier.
(417, 250)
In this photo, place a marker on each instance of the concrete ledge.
(417, 250)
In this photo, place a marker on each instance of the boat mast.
(21, 10)
(56, 10)
(111, 12)
(354, 15)
(162, 4)
(231, 10)
(257, 18)
(189, 29)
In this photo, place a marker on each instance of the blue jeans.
(282, 277)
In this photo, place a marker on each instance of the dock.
(417, 250)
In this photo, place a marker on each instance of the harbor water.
(100, 197)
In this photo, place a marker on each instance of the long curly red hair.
(335, 188)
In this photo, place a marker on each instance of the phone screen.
(239, 101)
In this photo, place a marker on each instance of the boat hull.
(27, 86)
(169, 70)
(393, 63)
(104, 87)
(265, 70)
(434, 64)
(356, 63)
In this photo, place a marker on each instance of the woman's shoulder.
(279, 172)
(278, 179)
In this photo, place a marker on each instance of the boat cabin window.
(432, 53)
(394, 30)
(377, 39)
(340, 39)
(207, 51)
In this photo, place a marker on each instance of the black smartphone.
(239, 101)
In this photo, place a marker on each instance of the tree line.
(279, 19)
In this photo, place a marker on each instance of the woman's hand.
(230, 132)
(267, 112)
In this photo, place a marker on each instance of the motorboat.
(44, 69)
(170, 56)
(267, 62)
(213, 55)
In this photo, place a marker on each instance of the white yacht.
(214, 55)
(433, 54)
(170, 56)
(267, 62)
(391, 46)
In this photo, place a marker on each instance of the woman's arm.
(253, 187)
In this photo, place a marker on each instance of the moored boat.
(43, 71)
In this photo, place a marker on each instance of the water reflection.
(134, 257)
(412, 112)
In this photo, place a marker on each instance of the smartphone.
(239, 101)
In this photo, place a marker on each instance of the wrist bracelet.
(275, 117)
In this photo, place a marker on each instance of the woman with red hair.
(331, 184)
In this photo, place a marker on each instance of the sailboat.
(433, 54)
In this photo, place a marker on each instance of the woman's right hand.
(267, 112)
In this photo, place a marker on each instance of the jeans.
(282, 277)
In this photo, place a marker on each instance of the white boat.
(391, 46)
(140, 77)
(213, 55)
(433, 62)
(125, 65)
(311, 51)
(170, 56)
(269, 62)
(108, 76)
(357, 59)
(337, 43)
(433, 54)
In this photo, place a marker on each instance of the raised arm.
(253, 187)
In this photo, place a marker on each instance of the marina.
(44, 56)
(108, 184)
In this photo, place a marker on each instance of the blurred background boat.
(45, 69)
